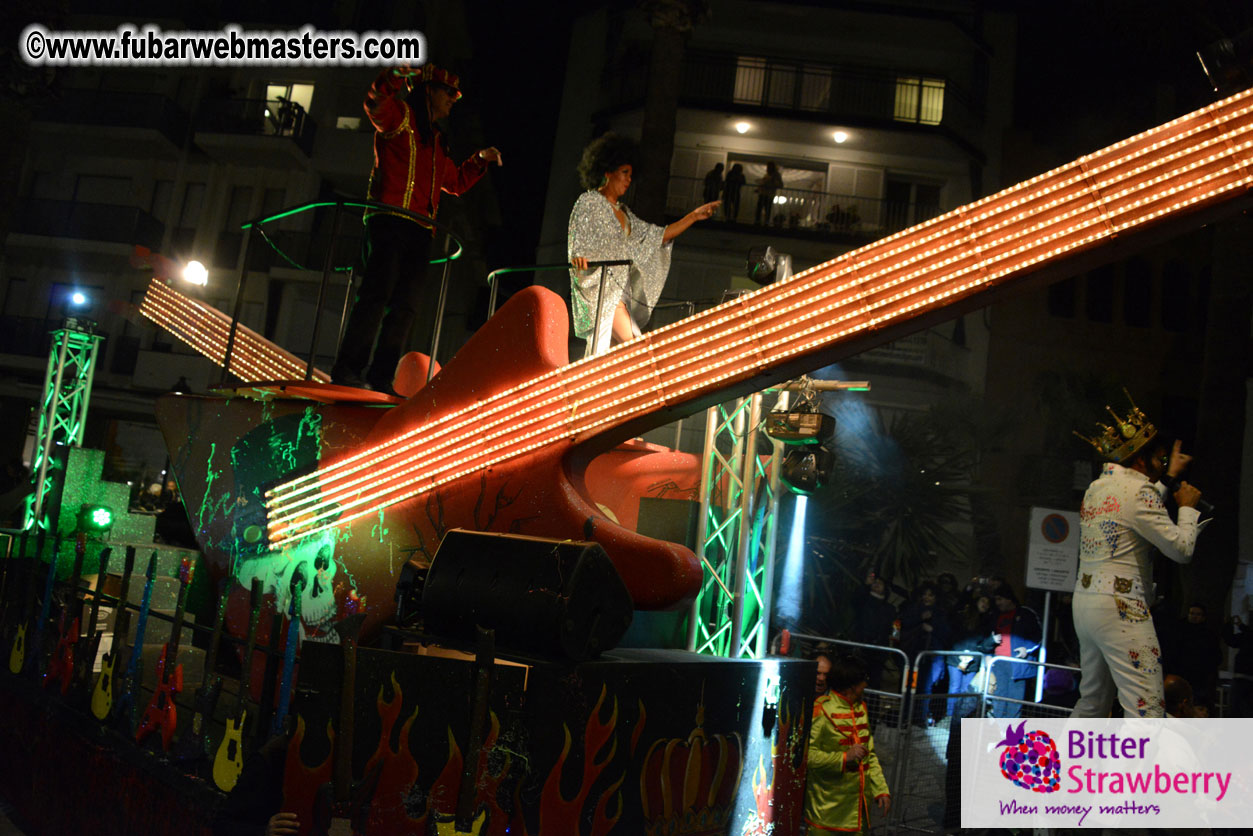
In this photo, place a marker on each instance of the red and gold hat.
(429, 72)
(1122, 441)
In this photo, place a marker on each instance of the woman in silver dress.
(602, 228)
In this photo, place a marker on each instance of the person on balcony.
(731, 192)
(412, 166)
(602, 228)
(766, 191)
(713, 183)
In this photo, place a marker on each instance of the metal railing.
(258, 117)
(917, 730)
(452, 250)
(118, 109)
(89, 221)
(826, 213)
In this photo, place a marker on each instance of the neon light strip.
(206, 329)
(379, 494)
(961, 224)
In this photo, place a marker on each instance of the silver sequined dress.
(596, 235)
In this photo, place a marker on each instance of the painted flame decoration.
(559, 814)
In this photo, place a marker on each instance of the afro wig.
(604, 154)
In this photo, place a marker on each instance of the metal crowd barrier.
(917, 730)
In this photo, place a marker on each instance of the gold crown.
(1121, 441)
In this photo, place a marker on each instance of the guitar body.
(229, 760)
(161, 713)
(102, 692)
(17, 654)
(61, 667)
(228, 451)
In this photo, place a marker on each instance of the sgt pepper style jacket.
(838, 793)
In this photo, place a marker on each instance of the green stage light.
(95, 518)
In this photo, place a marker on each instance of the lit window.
(919, 100)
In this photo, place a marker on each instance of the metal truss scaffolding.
(736, 534)
(63, 408)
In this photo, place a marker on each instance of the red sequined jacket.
(408, 172)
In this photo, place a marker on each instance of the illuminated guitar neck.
(206, 329)
(1195, 161)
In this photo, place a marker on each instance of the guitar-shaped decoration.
(37, 661)
(125, 705)
(229, 760)
(102, 693)
(161, 713)
(7, 566)
(61, 665)
(85, 659)
(193, 747)
(17, 651)
(340, 805)
(289, 654)
(499, 439)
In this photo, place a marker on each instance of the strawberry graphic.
(1030, 759)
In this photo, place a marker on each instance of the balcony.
(810, 213)
(840, 93)
(27, 336)
(256, 132)
(87, 221)
(113, 122)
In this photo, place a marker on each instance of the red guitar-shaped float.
(161, 712)
(345, 491)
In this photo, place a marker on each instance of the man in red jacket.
(412, 166)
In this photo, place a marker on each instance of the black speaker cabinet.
(555, 598)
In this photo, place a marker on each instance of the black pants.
(395, 254)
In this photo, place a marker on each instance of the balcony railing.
(836, 92)
(89, 221)
(827, 213)
(277, 118)
(118, 109)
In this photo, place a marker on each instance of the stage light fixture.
(806, 469)
(95, 518)
(196, 273)
(78, 298)
(766, 265)
(1228, 63)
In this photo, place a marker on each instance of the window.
(1176, 298)
(1099, 300)
(907, 202)
(919, 100)
(1137, 293)
(286, 106)
(1062, 298)
(162, 193)
(95, 188)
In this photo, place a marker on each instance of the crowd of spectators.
(985, 617)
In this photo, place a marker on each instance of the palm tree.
(897, 493)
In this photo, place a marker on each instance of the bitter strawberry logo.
(1030, 759)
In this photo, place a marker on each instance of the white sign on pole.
(1053, 550)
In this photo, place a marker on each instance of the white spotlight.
(196, 273)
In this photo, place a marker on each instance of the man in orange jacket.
(412, 167)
